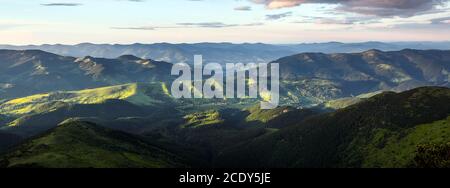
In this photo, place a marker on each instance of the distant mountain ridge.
(221, 52)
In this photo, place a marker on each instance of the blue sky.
(177, 21)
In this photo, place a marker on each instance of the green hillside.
(140, 94)
(32, 124)
(383, 131)
(386, 130)
(130, 107)
(388, 148)
(348, 101)
(208, 133)
(34, 114)
(278, 118)
(199, 119)
(83, 144)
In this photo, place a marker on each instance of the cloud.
(136, 1)
(278, 16)
(148, 28)
(217, 24)
(385, 8)
(443, 20)
(135, 28)
(62, 4)
(332, 21)
(186, 25)
(243, 8)
(9, 26)
(338, 20)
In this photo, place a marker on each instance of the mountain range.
(307, 79)
(362, 109)
(329, 76)
(29, 72)
(221, 52)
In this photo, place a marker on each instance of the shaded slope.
(83, 144)
(124, 69)
(32, 124)
(7, 140)
(392, 68)
(32, 71)
(208, 133)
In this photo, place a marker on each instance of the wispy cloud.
(443, 20)
(338, 20)
(9, 26)
(278, 16)
(217, 24)
(243, 8)
(135, 28)
(190, 25)
(62, 4)
(79, 4)
(145, 27)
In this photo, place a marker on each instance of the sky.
(190, 21)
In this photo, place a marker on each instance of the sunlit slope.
(34, 114)
(147, 94)
(388, 148)
(348, 101)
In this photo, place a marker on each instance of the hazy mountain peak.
(28, 53)
(84, 59)
(129, 58)
(372, 52)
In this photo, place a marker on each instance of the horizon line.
(235, 43)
